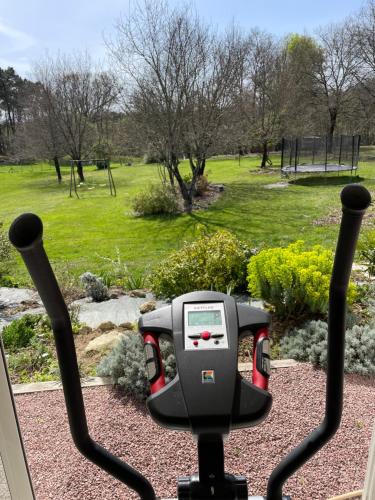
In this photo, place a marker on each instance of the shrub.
(125, 364)
(294, 280)
(94, 287)
(216, 262)
(366, 251)
(5, 257)
(149, 158)
(201, 185)
(20, 332)
(155, 200)
(310, 344)
(118, 273)
(35, 362)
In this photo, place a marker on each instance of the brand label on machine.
(208, 376)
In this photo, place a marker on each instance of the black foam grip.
(25, 231)
(355, 197)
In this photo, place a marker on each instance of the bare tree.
(214, 92)
(180, 78)
(363, 32)
(334, 73)
(156, 49)
(262, 94)
(75, 97)
(39, 135)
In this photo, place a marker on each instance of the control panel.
(205, 326)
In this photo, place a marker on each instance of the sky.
(31, 28)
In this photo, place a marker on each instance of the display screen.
(203, 318)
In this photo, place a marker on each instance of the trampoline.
(320, 155)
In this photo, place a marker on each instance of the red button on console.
(195, 343)
(206, 335)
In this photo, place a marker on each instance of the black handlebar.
(26, 235)
(355, 200)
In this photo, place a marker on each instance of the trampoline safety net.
(320, 154)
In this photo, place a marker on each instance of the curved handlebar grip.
(355, 200)
(355, 197)
(26, 235)
(261, 359)
(154, 363)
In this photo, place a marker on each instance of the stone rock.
(104, 342)
(137, 293)
(147, 306)
(115, 292)
(220, 187)
(121, 310)
(85, 330)
(126, 326)
(106, 326)
(277, 185)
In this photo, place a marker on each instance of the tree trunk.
(186, 193)
(171, 177)
(80, 171)
(332, 126)
(57, 168)
(264, 154)
(202, 166)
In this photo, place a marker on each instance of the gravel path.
(122, 425)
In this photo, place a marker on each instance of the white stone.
(104, 342)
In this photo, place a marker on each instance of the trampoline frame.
(292, 165)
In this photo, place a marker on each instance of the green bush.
(33, 364)
(20, 332)
(125, 364)
(294, 280)
(149, 158)
(157, 199)
(310, 344)
(366, 251)
(212, 262)
(5, 258)
(201, 185)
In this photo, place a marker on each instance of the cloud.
(18, 39)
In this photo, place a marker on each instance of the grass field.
(81, 231)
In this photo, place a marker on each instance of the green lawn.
(82, 230)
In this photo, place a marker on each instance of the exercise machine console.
(208, 396)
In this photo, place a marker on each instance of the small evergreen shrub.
(125, 364)
(20, 332)
(94, 287)
(157, 199)
(310, 344)
(212, 262)
(294, 280)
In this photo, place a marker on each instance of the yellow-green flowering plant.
(294, 279)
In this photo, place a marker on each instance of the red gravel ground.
(59, 472)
